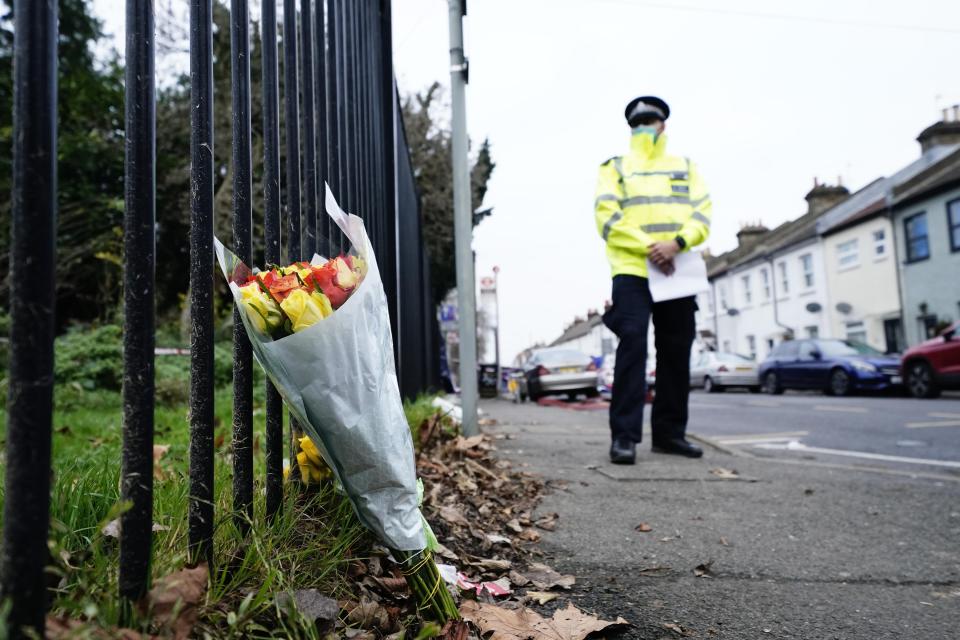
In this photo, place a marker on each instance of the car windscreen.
(838, 348)
(559, 357)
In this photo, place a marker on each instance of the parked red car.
(933, 365)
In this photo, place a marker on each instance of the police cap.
(646, 107)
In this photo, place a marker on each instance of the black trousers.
(674, 328)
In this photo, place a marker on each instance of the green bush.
(91, 357)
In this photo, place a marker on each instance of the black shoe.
(678, 446)
(623, 451)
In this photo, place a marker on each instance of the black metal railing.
(341, 121)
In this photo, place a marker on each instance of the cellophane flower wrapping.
(338, 379)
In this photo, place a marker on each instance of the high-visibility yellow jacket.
(648, 196)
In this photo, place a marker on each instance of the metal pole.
(292, 121)
(292, 103)
(463, 224)
(138, 297)
(26, 510)
(271, 231)
(320, 84)
(243, 243)
(496, 327)
(201, 280)
(309, 135)
(333, 113)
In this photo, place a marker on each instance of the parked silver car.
(559, 370)
(716, 371)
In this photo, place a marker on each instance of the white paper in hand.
(689, 278)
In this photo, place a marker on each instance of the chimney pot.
(956, 112)
(946, 117)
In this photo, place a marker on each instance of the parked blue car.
(837, 367)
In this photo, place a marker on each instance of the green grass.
(309, 546)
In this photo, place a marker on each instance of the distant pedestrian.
(650, 205)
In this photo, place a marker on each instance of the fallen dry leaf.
(159, 450)
(514, 525)
(312, 605)
(369, 614)
(112, 529)
(658, 570)
(680, 630)
(59, 628)
(174, 600)
(643, 527)
(545, 578)
(542, 597)
(453, 516)
(704, 570)
(530, 535)
(726, 474)
(462, 444)
(490, 564)
(548, 523)
(525, 624)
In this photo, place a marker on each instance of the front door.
(893, 333)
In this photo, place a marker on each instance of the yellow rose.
(323, 302)
(359, 266)
(302, 310)
(261, 308)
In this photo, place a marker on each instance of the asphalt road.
(889, 432)
(789, 543)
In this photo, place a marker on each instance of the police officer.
(650, 205)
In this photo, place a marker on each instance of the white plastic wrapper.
(339, 379)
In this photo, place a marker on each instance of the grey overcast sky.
(765, 96)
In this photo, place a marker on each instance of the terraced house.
(880, 266)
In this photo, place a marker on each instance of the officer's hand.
(663, 252)
(667, 267)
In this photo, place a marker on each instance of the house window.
(848, 254)
(747, 294)
(918, 242)
(752, 346)
(806, 266)
(880, 243)
(857, 332)
(813, 331)
(726, 346)
(723, 297)
(953, 219)
(928, 326)
(784, 283)
(765, 278)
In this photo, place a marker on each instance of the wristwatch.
(681, 242)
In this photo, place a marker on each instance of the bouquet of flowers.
(321, 332)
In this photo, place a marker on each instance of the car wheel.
(771, 384)
(593, 393)
(708, 385)
(840, 383)
(920, 381)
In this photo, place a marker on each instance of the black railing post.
(271, 197)
(26, 512)
(389, 107)
(201, 280)
(242, 240)
(309, 139)
(139, 248)
(320, 84)
(292, 123)
(334, 111)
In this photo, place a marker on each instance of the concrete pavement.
(797, 545)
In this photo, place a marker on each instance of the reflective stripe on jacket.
(647, 196)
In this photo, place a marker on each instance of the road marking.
(761, 437)
(797, 446)
(709, 405)
(938, 423)
(944, 415)
(840, 408)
